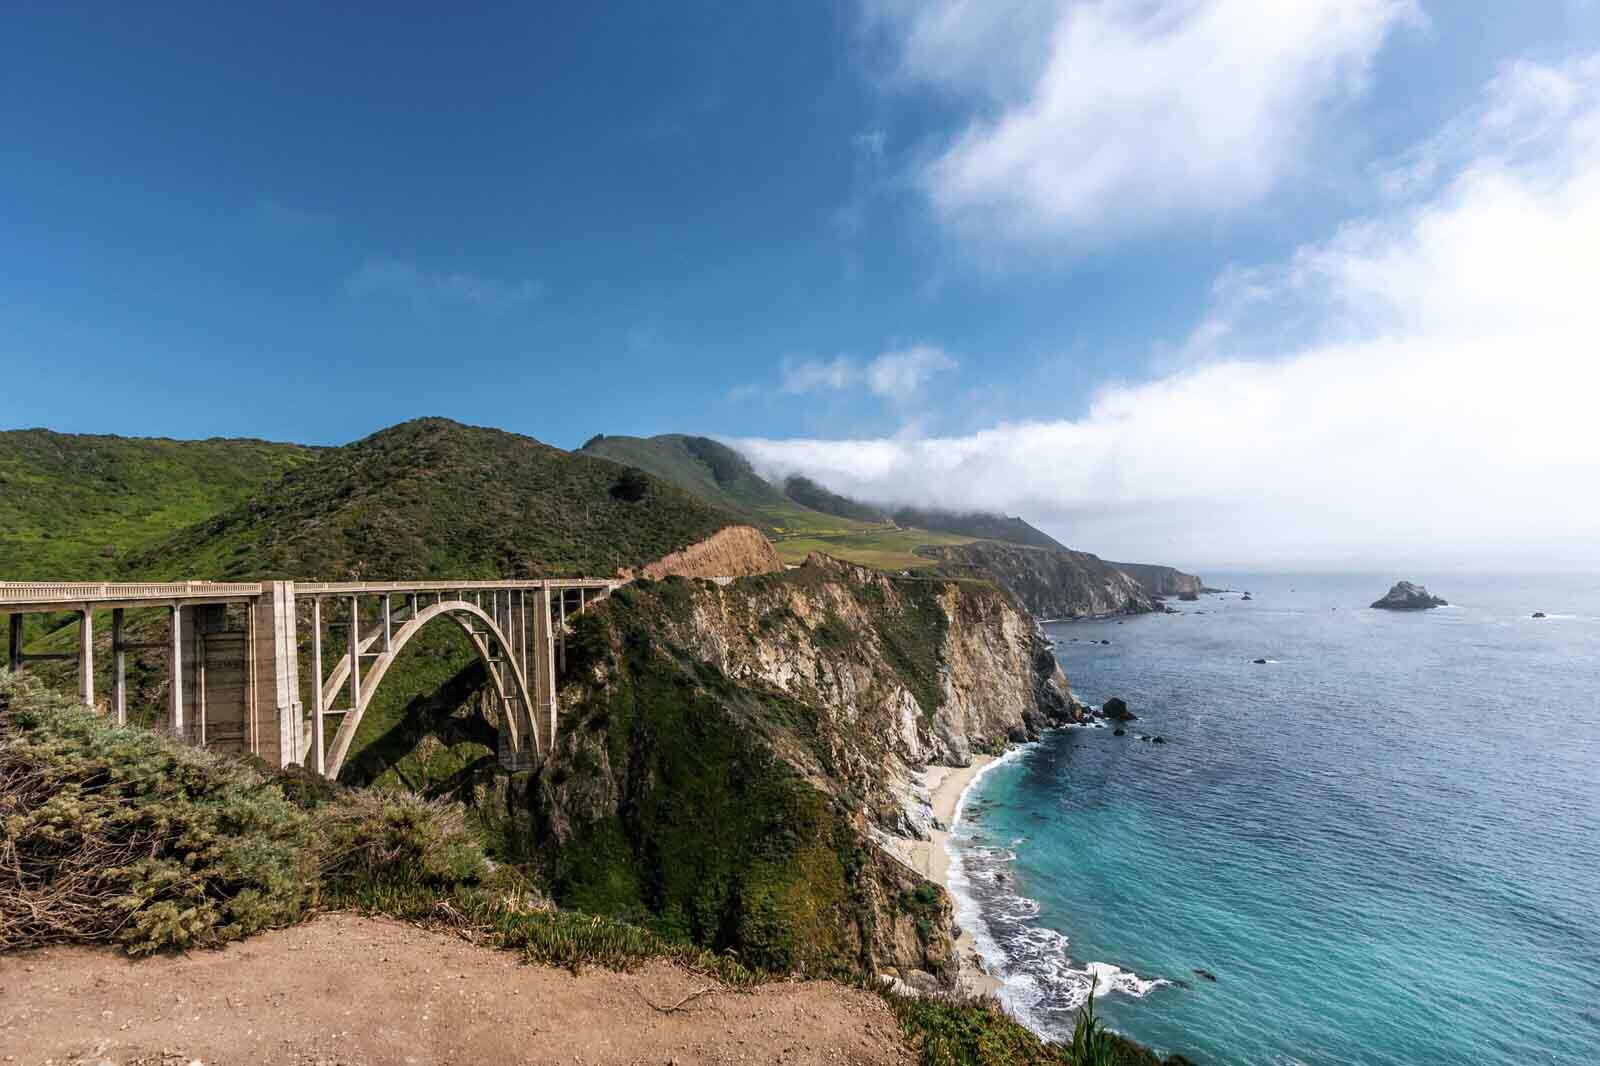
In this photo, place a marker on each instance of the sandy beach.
(931, 858)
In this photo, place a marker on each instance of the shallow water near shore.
(1384, 843)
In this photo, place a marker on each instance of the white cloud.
(897, 375)
(1436, 408)
(427, 288)
(1102, 115)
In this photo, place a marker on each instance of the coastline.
(946, 786)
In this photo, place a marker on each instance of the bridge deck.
(19, 597)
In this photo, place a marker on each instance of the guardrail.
(16, 593)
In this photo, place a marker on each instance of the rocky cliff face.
(1162, 580)
(737, 551)
(1050, 584)
(728, 756)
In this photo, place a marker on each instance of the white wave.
(968, 914)
(1037, 979)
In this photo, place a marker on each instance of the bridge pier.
(277, 675)
(86, 657)
(119, 668)
(175, 703)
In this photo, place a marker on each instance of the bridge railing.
(77, 592)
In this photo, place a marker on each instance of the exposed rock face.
(932, 670)
(1162, 580)
(1050, 584)
(730, 755)
(737, 551)
(1405, 596)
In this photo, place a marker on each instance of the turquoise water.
(1384, 843)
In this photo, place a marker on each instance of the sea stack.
(1408, 597)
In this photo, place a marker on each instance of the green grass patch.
(881, 549)
(72, 505)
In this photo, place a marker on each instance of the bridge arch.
(510, 683)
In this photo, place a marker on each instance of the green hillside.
(720, 476)
(808, 493)
(979, 525)
(433, 498)
(70, 505)
(699, 465)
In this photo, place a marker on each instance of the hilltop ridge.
(72, 504)
(435, 498)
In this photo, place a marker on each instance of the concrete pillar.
(542, 685)
(119, 669)
(175, 692)
(319, 747)
(355, 654)
(561, 635)
(277, 673)
(14, 655)
(86, 656)
(193, 674)
(220, 711)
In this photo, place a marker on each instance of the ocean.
(1383, 843)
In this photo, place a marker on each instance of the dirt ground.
(350, 991)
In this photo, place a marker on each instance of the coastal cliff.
(1162, 580)
(730, 758)
(1049, 583)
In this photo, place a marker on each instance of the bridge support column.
(277, 675)
(86, 656)
(14, 654)
(119, 669)
(319, 706)
(561, 634)
(175, 688)
(543, 683)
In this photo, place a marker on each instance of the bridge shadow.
(437, 745)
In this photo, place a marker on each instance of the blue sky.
(878, 222)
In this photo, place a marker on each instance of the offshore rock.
(1117, 710)
(1405, 596)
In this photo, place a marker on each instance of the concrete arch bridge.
(236, 651)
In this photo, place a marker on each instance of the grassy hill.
(801, 517)
(433, 498)
(977, 524)
(71, 505)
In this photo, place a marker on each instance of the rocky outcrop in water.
(1405, 596)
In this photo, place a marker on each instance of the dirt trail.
(349, 991)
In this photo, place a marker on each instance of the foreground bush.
(371, 836)
(121, 835)
(117, 834)
(978, 1032)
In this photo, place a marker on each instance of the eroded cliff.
(1162, 580)
(1049, 583)
(730, 755)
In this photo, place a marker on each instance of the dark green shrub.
(374, 835)
(118, 834)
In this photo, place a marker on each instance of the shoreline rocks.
(1405, 596)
